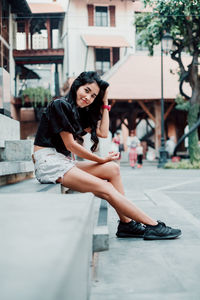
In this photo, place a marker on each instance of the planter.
(27, 114)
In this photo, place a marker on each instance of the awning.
(20, 7)
(25, 73)
(104, 40)
(46, 8)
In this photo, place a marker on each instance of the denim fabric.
(51, 165)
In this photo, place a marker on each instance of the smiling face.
(86, 94)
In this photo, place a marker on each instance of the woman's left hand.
(113, 155)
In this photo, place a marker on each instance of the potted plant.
(38, 98)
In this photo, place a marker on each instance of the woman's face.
(86, 94)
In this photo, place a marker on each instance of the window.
(101, 16)
(102, 60)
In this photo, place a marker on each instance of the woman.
(132, 142)
(60, 132)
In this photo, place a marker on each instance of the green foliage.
(183, 164)
(194, 149)
(180, 18)
(38, 96)
(182, 103)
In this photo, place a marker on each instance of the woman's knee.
(113, 168)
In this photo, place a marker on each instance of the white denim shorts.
(51, 165)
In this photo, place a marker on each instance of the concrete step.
(10, 129)
(14, 167)
(30, 186)
(46, 246)
(16, 150)
(101, 233)
(2, 144)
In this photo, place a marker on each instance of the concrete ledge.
(17, 150)
(46, 246)
(14, 167)
(100, 238)
(101, 233)
(30, 186)
(10, 129)
(14, 178)
(54, 236)
(2, 144)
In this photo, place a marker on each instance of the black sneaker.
(129, 230)
(160, 232)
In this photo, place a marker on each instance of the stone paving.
(134, 269)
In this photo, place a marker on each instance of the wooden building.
(135, 95)
(37, 44)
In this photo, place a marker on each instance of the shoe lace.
(139, 225)
(163, 224)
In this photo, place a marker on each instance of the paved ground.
(134, 269)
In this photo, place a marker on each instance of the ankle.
(154, 223)
(125, 220)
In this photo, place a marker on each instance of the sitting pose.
(66, 120)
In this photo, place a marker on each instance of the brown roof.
(139, 77)
(105, 40)
(41, 8)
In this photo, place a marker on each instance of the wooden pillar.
(48, 26)
(31, 41)
(27, 33)
(57, 88)
(132, 116)
(111, 57)
(157, 109)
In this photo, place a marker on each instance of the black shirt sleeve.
(61, 117)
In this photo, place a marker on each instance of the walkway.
(134, 269)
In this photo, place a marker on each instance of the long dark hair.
(93, 111)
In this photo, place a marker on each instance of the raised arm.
(79, 150)
(103, 126)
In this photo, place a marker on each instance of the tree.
(180, 18)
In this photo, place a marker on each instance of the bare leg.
(84, 182)
(109, 171)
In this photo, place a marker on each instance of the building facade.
(9, 11)
(96, 34)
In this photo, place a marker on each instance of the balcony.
(39, 56)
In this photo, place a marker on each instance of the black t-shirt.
(60, 116)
